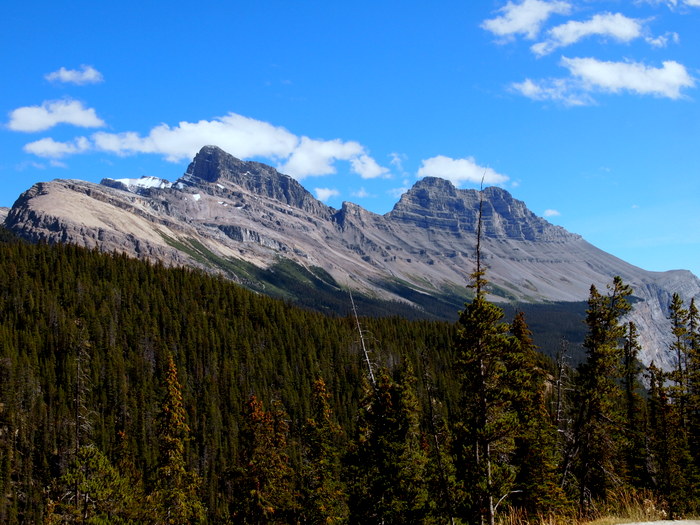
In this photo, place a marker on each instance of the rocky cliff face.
(224, 210)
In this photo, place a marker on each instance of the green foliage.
(261, 486)
(598, 424)
(388, 461)
(175, 497)
(93, 492)
(122, 382)
(324, 494)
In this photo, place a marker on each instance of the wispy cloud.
(362, 193)
(590, 75)
(551, 213)
(666, 81)
(51, 113)
(525, 18)
(85, 75)
(616, 26)
(459, 171)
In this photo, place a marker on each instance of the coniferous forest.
(135, 393)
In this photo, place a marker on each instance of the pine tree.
(324, 493)
(96, 493)
(535, 454)
(678, 316)
(485, 421)
(693, 378)
(175, 497)
(634, 418)
(597, 431)
(261, 486)
(388, 463)
(671, 466)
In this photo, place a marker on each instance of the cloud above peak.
(85, 75)
(241, 136)
(525, 18)
(459, 171)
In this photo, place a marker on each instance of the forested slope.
(119, 320)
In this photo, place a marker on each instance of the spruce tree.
(175, 498)
(260, 487)
(485, 422)
(597, 437)
(634, 414)
(388, 462)
(324, 498)
(535, 453)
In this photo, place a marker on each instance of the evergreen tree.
(693, 378)
(93, 491)
(678, 316)
(485, 422)
(671, 466)
(324, 493)
(388, 463)
(634, 418)
(597, 433)
(535, 454)
(261, 486)
(175, 497)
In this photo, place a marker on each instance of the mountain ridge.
(224, 212)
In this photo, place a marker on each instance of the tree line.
(134, 393)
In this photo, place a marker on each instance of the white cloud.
(525, 18)
(323, 194)
(616, 26)
(316, 157)
(551, 213)
(86, 75)
(367, 168)
(662, 40)
(49, 148)
(241, 136)
(362, 193)
(397, 192)
(666, 81)
(51, 113)
(589, 75)
(459, 171)
(561, 90)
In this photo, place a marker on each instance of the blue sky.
(586, 110)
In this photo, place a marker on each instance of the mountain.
(263, 229)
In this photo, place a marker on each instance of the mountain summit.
(231, 216)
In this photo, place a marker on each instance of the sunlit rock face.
(225, 209)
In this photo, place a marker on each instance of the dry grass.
(622, 507)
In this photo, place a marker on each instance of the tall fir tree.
(324, 496)
(635, 446)
(175, 498)
(597, 431)
(388, 461)
(535, 486)
(261, 486)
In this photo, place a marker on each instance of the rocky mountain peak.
(437, 203)
(214, 165)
